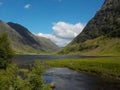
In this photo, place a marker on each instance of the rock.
(52, 85)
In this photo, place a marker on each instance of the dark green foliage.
(11, 80)
(6, 52)
(34, 78)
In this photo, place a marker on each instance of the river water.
(66, 79)
(22, 59)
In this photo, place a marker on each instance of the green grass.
(101, 46)
(106, 67)
(23, 70)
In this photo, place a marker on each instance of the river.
(66, 79)
(22, 59)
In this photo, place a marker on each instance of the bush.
(6, 52)
(34, 78)
(11, 80)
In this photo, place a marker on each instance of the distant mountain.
(101, 36)
(23, 41)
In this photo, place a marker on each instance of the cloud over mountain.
(63, 32)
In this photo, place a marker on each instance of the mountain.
(23, 41)
(101, 36)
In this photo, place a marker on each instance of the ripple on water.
(66, 79)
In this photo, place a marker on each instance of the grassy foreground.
(105, 67)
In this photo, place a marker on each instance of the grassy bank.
(105, 67)
(101, 46)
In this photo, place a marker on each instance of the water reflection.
(66, 79)
(28, 59)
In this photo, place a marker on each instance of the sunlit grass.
(101, 46)
(109, 67)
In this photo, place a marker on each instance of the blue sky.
(51, 18)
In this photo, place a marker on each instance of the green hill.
(101, 36)
(23, 41)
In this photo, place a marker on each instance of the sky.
(58, 20)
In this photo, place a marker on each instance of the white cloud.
(66, 30)
(58, 41)
(63, 32)
(27, 6)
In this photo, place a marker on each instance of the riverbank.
(104, 67)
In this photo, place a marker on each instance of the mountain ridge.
(104, 25)
(23, 41)
(105, 15)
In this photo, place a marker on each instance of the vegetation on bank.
(105, 67)
(13, 78)
(101, 46)
(101, 35)
(6, 52)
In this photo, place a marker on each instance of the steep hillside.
(106, 25)
(23, 41)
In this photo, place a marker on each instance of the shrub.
(6, 52)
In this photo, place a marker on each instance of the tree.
(35, 80)
(6, 52)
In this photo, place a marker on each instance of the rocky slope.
(23, 41)
(105, 25)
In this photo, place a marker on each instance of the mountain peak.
(1, 22)
(17, 26)
(111, 1)
(101, 34)
(4, 27)
(23, 41)
(105, 22)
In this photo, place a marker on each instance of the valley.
(69, 58)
